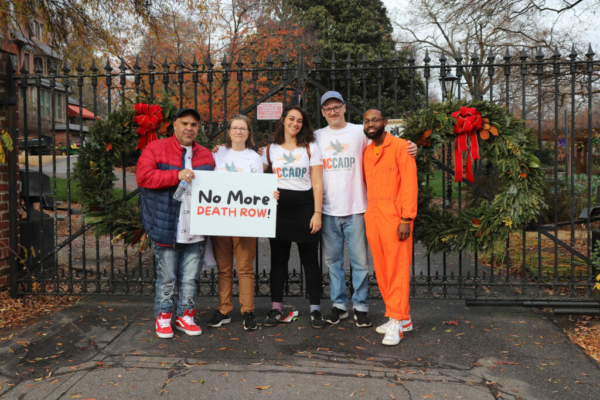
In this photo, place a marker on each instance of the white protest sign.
(233, 204)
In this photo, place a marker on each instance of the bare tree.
(496, 32)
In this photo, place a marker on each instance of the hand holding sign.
(233, 204)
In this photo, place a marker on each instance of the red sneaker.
(163, 326)
(187, 324)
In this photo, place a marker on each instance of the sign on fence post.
(233, 204)
(269, 111)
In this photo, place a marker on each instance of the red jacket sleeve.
(149, 176)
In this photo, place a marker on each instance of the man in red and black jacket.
(162, 166)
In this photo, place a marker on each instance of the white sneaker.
(406, 326)
(383, 327)
(393, 334)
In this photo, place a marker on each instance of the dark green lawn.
(435, 183)
(61, 190)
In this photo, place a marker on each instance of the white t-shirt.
(293, 167)
(183, 227)
(229, 160)
(344, 190)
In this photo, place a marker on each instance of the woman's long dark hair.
(306, 134)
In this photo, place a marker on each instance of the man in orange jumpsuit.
(392, 189)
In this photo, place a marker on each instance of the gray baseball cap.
(331, 95)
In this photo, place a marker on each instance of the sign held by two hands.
(233, 204)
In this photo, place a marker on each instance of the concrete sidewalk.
(106, 348)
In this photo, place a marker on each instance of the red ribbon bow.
(468, 122)
(149, 118)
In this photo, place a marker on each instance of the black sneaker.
(273, 318)
(336, 315)
(219, 319)
(249, 323)
(316, 320)
(362, 319)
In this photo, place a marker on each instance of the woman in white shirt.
(236, 156)
(295, 157)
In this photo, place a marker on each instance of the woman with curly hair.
(295, 158)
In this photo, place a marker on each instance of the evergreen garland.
(516, 180)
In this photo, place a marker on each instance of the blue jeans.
(351, 229)
(181, 265)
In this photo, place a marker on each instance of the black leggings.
(280, 256)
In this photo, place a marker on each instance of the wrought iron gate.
(541, 264)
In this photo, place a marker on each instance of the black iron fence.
(547, 260)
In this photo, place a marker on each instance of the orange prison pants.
(392, 260)
(392, 191)
(244, 249)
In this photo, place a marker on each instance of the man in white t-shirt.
(342, 145)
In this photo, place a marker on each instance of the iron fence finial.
(458, 57)
(66, 68)
(239, 61)
(166, 64)
(411, 57)
(443, 58)
(349, 58)
(151, 65)
(254, 60)
(79, 68)
(556, 54)
(195, 63)
(333, 61)
(24, 70)
(209, 62)
(52, 68)
(573, 54)
(427, 59)
(540, 55)
(107, 67)
(590, 53)
(524, 56)
(136, 66)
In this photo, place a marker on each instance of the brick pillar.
(5, 255)
(4, 250)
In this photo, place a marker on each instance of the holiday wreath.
(514, 182)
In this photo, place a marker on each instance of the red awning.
(74, 112)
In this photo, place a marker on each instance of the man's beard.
(375, 134)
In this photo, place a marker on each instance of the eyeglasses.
(374, 121)
(333, 109)
(236, 129)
